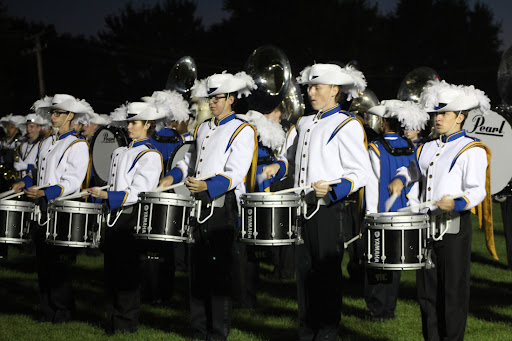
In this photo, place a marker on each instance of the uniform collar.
(137, 143)
(328, 112)
(391, 135)
(453, 137)
(66, 134)
(225, 120)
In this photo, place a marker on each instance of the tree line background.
(133, 55)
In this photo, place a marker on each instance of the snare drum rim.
(16, 205)
(270, 200)
(169, 199)
(77, 207)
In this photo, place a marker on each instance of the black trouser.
(210, 267)
(283, 259)
(506, 214)
(158, 269)
(443, 292)
(352, 221)
(54, 265)
(319, 278)
(245, 274)
(381, 292)
(122, 272)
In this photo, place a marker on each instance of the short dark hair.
(394, 125)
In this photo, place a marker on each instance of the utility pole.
(37, 49)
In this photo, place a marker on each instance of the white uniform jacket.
(330, 146)
(448, 167)
(133, 170)
(62, 162)
(225, 148)
(28, 154)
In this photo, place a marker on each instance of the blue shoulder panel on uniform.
(235, 134)
(71, 145)
(53, 192)
(466, 147)
(217, 185)
(141, 154)
(341, 190)
(116, 199)
(338, 128)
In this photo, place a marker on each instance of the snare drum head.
(495, 132)
(103, 143)
(177, 155)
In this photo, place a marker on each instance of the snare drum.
(15, 217)
(396, 240)
(163, 216)
(270, 219)
(74, 224)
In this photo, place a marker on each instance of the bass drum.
(177, 155)
(495, 131)
(103, 143)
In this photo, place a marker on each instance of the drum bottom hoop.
(275, 242)
(14, 241)
(160, 237)
(68, 243)
(380, 266)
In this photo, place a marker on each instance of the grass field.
(275, 317)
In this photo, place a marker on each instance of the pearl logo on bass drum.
(479, 127)
(108, 137)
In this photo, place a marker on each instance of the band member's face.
(448, 122)
(89, 130)
(33, 130)
(411, 134)
(59, 117)
(11, 130)
(321, 96)
(137, 130)
(220, 104)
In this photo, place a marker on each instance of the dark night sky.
(87, 16)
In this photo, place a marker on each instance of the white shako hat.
(171, 103)
(136, 111)
(36, 119)
(224, 83)
(101, 120)
(16, 120)
(440, 96)
(411, 115)
(349, 78)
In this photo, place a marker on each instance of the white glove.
(20, 165)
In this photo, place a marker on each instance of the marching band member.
(227, 147)
(28, 149)
(62, 163)
(452, 164)
(13, 125)
(387, 154)
(330, 145)
(134, 169)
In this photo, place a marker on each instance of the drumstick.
(21, 193)
(428, 203)
(78, 195)
(6, 193)
(164, 189)
(306, 187)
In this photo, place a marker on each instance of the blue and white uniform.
(62, 162)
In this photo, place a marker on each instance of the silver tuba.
(182, 76)
(271, 71)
